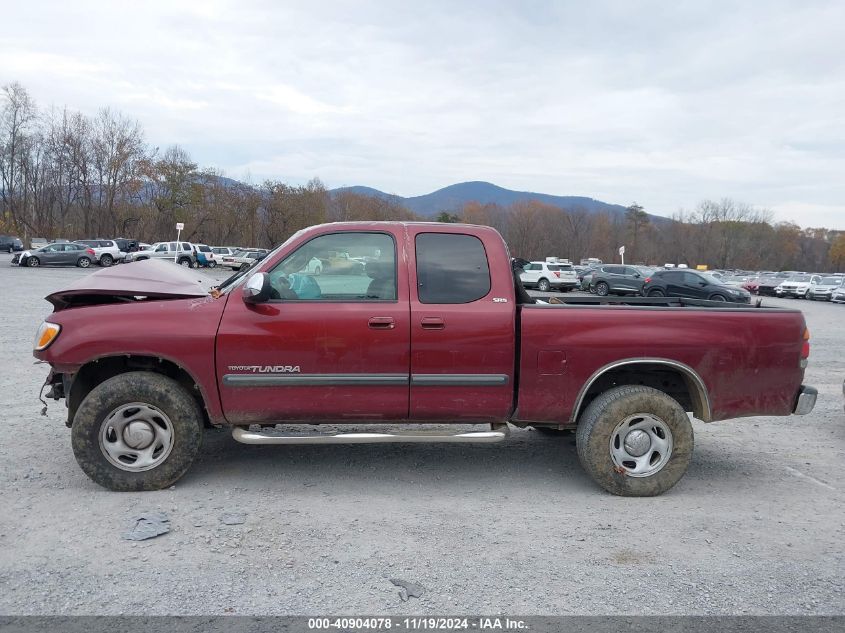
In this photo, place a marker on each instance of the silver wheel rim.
(718, 298)
(602, 290)
(83, 263)
(641, 445)
(136, 437)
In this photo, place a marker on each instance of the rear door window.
(451, 268)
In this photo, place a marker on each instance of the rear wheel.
(136, 431)
(33, 262)
(185, 261)
(83, 262)
(543, 285)
(212, 264)
(717, 298)
(656, 292)
(602, 289)
(106, 260)
(635, 441)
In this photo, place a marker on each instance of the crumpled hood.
(149, 278)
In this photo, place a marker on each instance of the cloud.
(666, 104)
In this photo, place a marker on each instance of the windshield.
(800, 278)
(831, 281)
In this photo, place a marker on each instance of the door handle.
(432, 323)
(381, 323)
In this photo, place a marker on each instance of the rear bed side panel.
(747, 359)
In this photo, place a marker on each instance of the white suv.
(106, 252)
(182, 253)
(545, 276)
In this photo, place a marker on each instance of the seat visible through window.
(382, 285)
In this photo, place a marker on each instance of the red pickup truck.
(430, 325)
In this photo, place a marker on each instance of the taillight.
(647, 279)
(90, 251)
(805, 349)
(557, 274)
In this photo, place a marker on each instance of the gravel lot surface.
(756, 527)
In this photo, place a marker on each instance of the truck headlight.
(46, 334)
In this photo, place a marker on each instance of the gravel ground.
(755, 527)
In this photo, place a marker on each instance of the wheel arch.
(98, 370)
(674, 378)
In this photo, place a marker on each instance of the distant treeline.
(67, 175)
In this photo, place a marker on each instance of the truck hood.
(147, 279)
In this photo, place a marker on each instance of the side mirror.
(636, 275)
(257, 289)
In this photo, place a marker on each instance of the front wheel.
(656, 292)
(212, 264)
(718, 298)
(33, 262)
(635, 441)
(602, 289)
(543, 285)
(106, 261)
(136, 431)
(83, 262)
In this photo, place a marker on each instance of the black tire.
(543, 285)
(717, 297)
(656, 292)
(602, 289)
(212, 264)
(597, 428)
(83, 262)
(106, 260)
(185, 261)
(33, 262)
(137, 387)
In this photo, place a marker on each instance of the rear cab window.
(452, 268)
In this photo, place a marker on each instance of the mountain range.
(453, 197)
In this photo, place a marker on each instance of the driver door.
(330, 347)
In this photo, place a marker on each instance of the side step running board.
(498, 433)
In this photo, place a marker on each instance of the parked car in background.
(613, 279)
(125, 245)
(182, 253)
(838, 295)
(222, 251)
(767, 285)
(59, 254)
(10, 244)
(243, 258)
(205, 256)
(797, 286)
(37, 242)
(106, 252)
(751, 284)
(545, 276)
(824, 289)
(692, 285)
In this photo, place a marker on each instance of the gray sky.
(663, 103)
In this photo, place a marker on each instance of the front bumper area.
(806, 400)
